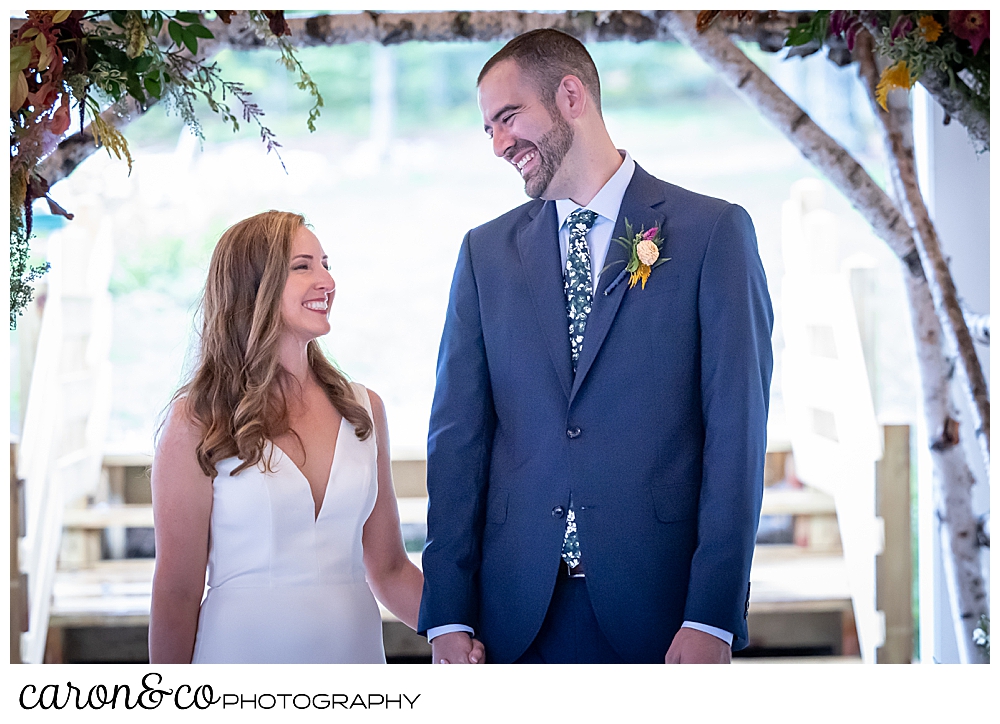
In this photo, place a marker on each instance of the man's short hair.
(547, 56)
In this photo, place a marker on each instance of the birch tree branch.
(75, 149)
(766, 29)
(952, 478)
(896, 125)
(850, 178)
(813, 142)
(955, 102)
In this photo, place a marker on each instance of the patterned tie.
(577, 284)
(577, 287)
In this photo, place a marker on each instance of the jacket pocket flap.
(675, 502)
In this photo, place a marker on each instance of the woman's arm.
(182, 509)
(394, 580)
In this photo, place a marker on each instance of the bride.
(272, 472)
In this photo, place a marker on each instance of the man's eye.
(507, 118)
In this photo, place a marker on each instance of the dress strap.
(361, 395)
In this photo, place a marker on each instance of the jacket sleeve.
(736, 320)
(459, 446)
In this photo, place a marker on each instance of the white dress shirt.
(606, 204)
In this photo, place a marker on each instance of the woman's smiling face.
(309, 290)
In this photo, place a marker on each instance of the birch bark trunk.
(896, 125)
(953, 476)
(953, 480)
(850, 178)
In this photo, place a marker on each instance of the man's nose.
(501, 142)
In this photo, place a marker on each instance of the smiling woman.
(256, 478)
(309, 289)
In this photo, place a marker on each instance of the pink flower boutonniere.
(644, 252)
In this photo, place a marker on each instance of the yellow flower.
(641, 273)
(895, 76)
(930, 27)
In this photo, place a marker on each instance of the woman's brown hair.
(238, 391)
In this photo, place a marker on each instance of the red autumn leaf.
(277, 23)
(60, 119)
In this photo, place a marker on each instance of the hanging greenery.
(952, 42)
(96, 59)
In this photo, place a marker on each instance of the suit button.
(573, 433)
(558, 511)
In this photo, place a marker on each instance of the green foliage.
(55, 56)
(813, 31)
(898, 36)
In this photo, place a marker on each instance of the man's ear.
(572, 98)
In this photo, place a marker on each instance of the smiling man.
(596, 449)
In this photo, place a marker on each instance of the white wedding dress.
(286, 585)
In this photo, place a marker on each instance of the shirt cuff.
(433, 633)
(717, 632)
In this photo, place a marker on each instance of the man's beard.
(552, 149)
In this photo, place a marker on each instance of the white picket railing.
(68, 406)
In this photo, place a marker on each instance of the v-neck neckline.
(317, 510)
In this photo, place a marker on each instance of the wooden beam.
(894, 567)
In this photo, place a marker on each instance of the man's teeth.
(318, 306)
(524, 159)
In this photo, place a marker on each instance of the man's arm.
(736, 319)
(458, 452)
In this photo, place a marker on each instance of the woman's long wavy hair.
(239, 390)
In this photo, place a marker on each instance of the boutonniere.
(644, 252)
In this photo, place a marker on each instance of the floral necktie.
(577, 286)
(577, 281)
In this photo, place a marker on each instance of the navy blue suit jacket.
(658, 439)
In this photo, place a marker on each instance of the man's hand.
(457, 647)
(691, 646)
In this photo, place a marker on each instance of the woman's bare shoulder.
(181, 427)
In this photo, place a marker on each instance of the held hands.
(691, 646)
(457, 647)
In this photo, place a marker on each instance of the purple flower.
(840, 21)
(971, 25)
(902, 26)
(651, 234)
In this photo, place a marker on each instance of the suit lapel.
(641, 196)
(537, 245)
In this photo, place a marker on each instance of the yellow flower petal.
(930, 27)
(643, 273)
(895, 76)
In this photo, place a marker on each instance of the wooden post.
(894, 567)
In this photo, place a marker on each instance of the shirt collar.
(608, 200)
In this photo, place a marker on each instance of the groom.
(596, 449)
